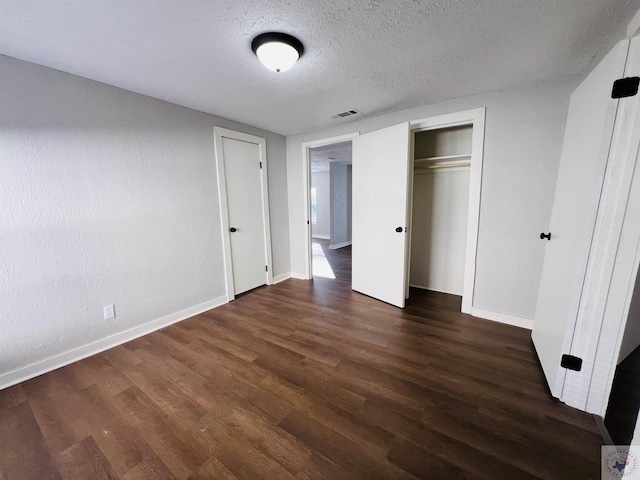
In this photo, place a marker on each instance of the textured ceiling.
(322, 156)
(375, 56)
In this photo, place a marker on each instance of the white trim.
(306, 191)
(476, 118)
(300, 276)
(57, 361)
(608, 354)
(321, 237)
(636, 433)
(339, 245)
(264, 177)
(218, 134)
(224, 212)
(503, 318)
(281, 278)
(454, 119)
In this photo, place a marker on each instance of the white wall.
(439, 230)
(443, 142)
(636, 433)
(107, 197)
(322, 228)
(340, 174)
(631, 338)
(523, 140)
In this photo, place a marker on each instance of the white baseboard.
(503, 318)
(339, 245)
(299, 276)
(281, 278)
(52, 363)
(322, 237)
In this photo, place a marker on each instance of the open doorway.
(330, 211)
(446, 155)
(440, 208)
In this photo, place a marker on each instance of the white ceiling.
(322, 156)
(375, 56)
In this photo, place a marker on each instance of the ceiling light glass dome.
(277, 51)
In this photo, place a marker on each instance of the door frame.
(306, 190)
(623, 274)
(218, 134)
(475, 118)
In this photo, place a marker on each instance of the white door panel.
(380, 198)
(588, 132)
(244, 197)
(612, 261)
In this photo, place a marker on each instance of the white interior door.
(585, 151)
(379, 204)
(246, 219)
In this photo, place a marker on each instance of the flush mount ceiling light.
(277, 51)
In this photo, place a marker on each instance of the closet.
(383, 223)
(439, 215)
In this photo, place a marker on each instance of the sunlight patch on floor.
(321, 267)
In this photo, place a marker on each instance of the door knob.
(233, 229)
(399, 229)
(547, 236)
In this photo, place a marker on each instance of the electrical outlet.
(109, 311)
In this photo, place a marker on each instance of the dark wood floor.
(303, 380)
(624, 401)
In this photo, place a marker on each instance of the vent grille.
(348, 113)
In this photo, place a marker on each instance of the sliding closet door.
(380, 199)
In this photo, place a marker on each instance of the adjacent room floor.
(303, 380)
(624, 402)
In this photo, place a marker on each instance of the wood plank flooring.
(304, 380)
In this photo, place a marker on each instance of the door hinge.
(260, 164)
(571, 363)
(625, 87)
(266, 268)
(307, 222)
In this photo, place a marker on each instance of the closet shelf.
(436, 163)
(443, 165)
(466, 156)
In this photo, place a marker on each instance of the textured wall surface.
(443, 142)
(523, 141)
(320, 180)
(107, 197)
(631, 338)
(439, 230)
(340, 203)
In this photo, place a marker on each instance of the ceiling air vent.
(348, 113)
